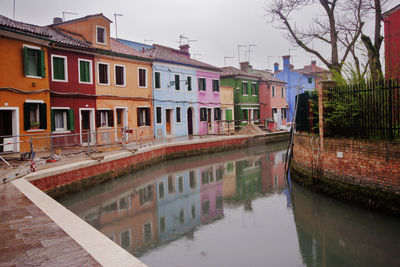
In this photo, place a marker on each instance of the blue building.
(178, 204)
(298, 81)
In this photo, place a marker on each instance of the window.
(283, 92)
(228, 114)
(215, 86)
(146, 194)
(162, 224)
(203, 114)
(180, 184)
(189, 83)
(125, 239)
(217, 114)
(143, 116)
(62, 119)
(104, 75)
(35, 116)
(101, 35)
(274, 110)
(177, 84)
(245, 90)
(254, 90)
(85, 73)
(219, 202)
(206, 206)
(147, 232)
(245, 114)
(181, 217)
(142, 78)
(283, 112)
(171, 184)
(157, 80)
(309, 79)
(202, 84)
(193, 212)
(104, 118)
(178, 115)
(59, 68)
(273, 91)
(256, 114)
(34, 63)
(161, 189)
(192, 180)
(119, 75)
(124, 203)
(158, 115)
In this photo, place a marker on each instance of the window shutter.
(27, 123)
(43, 115)
(25, 57)
(138, 117)
(199, 84)
(111, 118)
(148, 122)
(98, 119)
(53, 122)
(70, 120)
(42, 65)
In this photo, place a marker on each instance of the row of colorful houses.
(71, 78)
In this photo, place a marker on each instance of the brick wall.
(374, 164)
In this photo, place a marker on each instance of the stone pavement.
(28, 237)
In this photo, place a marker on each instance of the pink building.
(209, 102)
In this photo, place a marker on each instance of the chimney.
(185, 49)
(57, 20)
(244, 66)
(276, 67)
(286, 62)
(314, 65)
(291, 66)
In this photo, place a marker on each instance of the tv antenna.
(182, 37)
(249, 51)
(239, 46)
(196, 55)
(70, 13)
(225, 59)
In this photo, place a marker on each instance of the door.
(85, 125)
(209, 113)
(121, 122)
(168, 121)
(190, 121)
(5, 128)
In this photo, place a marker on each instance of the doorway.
(168, 114)
(209, 113)
(9, 126)
(122, 122)
(190, 121)
(87, 125)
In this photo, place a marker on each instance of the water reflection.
(238, 204)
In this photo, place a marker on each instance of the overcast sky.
(218, 26)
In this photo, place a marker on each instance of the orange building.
(24, 85)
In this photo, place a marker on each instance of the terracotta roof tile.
(173, 55)
(232, 71)
(23, 27)
(118, 47)
(82, 18)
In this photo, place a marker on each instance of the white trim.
(139, 68)
(65, 119)
(103, 108)
(157, 71)
(92, 123)
(98, 73)
(212, 85)
(65, 68)
(252, 88)
(115, 75)
(34, 101)
(14, 125)
(32, 47)
(105, 35)
(90, 70)
(35, 48)
(159, 123)
(60, 108)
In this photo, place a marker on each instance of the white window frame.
(105, 35)
(154, 79)
(101, 111)
(98, 73)
(149, 116)
(283, 91)
(65, 117)
(115, 75)
(247, 88)
(160, 115)
(253, 93)
(145, 79)
(273, 92)
(176, 114)
(90, 70)
(35, 48)
(219, 86)
(65, 69)
(205, 84)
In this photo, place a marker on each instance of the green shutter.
(228, 114)
(58, 68)
(53, 122)
(43, 116)
(27, 122)
(25, 57)
(70, 120)
(42, 66)
(84, 71)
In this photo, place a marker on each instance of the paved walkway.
(28, 237)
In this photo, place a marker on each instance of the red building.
(391, 21)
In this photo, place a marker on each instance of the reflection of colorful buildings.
(211, 192)
(178, 204)
(229, 179)
(273, 171)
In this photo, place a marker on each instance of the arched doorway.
(190, 120)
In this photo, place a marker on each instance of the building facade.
(391, 20)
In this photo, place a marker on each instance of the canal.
(234, 208)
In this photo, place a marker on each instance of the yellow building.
(227, 108)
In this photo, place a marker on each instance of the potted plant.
(35, 125)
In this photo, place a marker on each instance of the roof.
(391, 11)
(82, 18)
(120, 48)
(23, 27)
(233, 72)
(267, 76)
(171, 55)
(135, 45)
(307, 70)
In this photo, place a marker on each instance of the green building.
(245, 92)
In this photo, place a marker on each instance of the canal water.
(234, 209)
